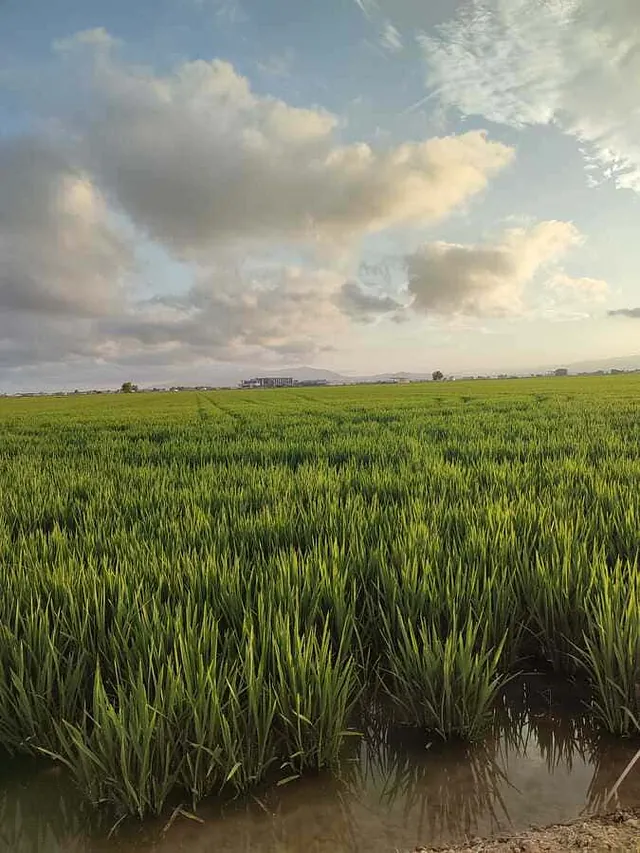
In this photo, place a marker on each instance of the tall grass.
(200, 592)
(445, 684)
(610, 648)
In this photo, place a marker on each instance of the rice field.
(204, 592)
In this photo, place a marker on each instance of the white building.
(268, 382)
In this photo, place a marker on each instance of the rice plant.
(202, 592)
(610, 649)
(445, 684)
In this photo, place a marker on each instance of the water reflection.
(542, 763)
(441, 788)
(40, 810)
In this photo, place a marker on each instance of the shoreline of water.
(398, 789)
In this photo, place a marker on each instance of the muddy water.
(397, 789)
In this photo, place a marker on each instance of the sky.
(192, 188)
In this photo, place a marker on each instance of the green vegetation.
(204, 591)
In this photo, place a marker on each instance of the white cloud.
(65, 284)
(390, 38)
(235, 315)
(97, 39)
(59, 251)
(369, 8)
(573, 63)
(63, 263)
(486, 280)
(198, 160)
(211, 171)
(593, 289)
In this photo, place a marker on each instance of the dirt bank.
(619, 831)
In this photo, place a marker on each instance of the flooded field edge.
(396, 789)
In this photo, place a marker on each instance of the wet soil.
(619, 831)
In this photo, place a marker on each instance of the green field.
(201, 591)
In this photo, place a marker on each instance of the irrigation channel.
(396, 789)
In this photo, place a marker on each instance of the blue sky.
(189, 187)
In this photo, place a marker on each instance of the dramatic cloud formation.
(198, 160)
(233, 315)
(60, 254)
(574, 63)
(221, 178)
(485, 280)
(633, 313)
(63, 263)
(289, 313)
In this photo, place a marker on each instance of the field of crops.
(201, 591)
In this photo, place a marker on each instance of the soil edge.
(618, 831)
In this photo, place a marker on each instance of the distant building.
(561, 371)
(268, 382)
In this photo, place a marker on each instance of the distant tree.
(437, 375)
(128, 388)
(561, 371)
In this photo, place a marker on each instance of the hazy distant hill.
(228, 375)
(303, 373)
(232, 375)
(630, 362)
(627, 362)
